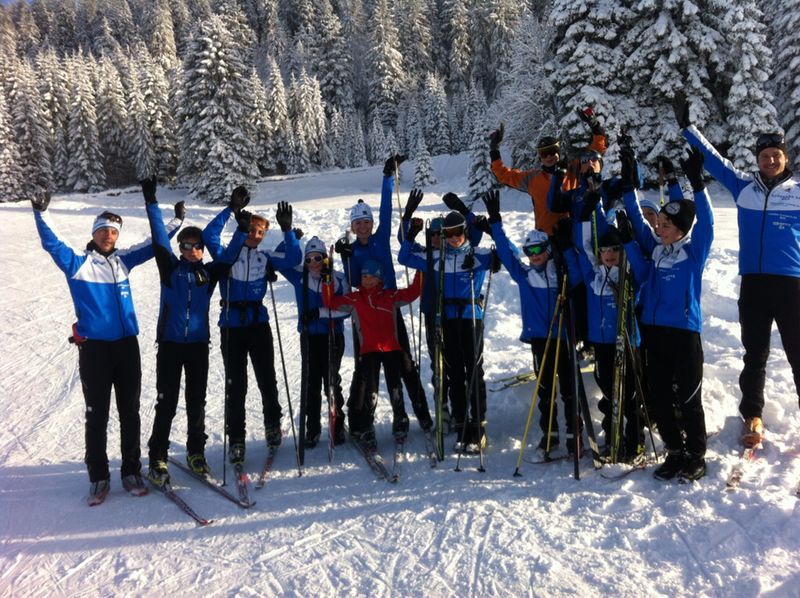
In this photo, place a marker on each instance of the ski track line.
(481, 549)
(698, 563)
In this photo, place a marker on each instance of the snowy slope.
(337, 529)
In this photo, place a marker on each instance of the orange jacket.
(536, 183)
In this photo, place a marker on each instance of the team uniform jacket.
(769, 220)
(320, 325)
(378, 244)
(457, 292)
(244, 288)
(186, 287)
(374, 309)
(674, 279)
(536, 183)
(99, 285)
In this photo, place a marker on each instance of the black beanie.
(768, 140)
(610, 238)
(680, 213)
(454, 220)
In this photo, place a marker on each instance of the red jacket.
(374, 309)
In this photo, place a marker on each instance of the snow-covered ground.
(336, 529)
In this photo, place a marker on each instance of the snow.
(337, 529)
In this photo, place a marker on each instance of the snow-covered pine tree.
(412, 125)
(457, 35)
(480, 177)
(298, 160)
(357, 154)
(62, 27)
(216, 137)
(337, 139)
(10, 171)
(28, 37)
(786, 48)
(112, 124)
(475, 110)
(390, 147)
(277, 156)
(423, 173)
(385, 64)
(181, 24)
(748, 104)
(333, 66)
(161, 40)
(85, 163)
(435, 123)
(141, 148)
(376, 141)
(8, 37)
(101, 37)
(261, 122)
(155, 93)
(415, 33)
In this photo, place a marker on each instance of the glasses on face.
(610, 248)
(188, 245)
(111, 217)
(769, 139)
(546, 153)
(587, 159)
(314, 258)
(454, 232)
(538, 249)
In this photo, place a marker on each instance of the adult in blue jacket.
(465, 269)
(244, 320)
(187, 285)
(539, 283)
(768, 210)
(105, 333)
(671, 318)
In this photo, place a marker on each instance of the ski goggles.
(769, 140)
(188, 245)
(610, 248)
(589, 156)
(314, 258)
(548, 151)
(538, 249)
(457, 231)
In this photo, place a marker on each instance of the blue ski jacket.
(769, 220)
(245, 286)
(319, 325)
(674, 278)
(98, 284)
(186, 287)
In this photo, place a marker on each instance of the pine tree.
(415, 33)
(435, 122)
(156, 93)
(376, 141)
(85, 165)
(423, 173)
(386, 78)
(62, 27)
(278, 114)
(28, 36)
(333, 62)
(457, 31)
(480, 177)
(53, 84)
(357, 155)
(786, 47)
(161, 42)
(141, 149)
(216, 137)
(112, 124)
(10, 171)
(261, 121)
(337, 139)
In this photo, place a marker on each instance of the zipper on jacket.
(116, 294)
(188, 306)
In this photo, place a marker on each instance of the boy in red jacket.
(374, 316)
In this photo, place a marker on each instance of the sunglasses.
(454, 232)
(314, 258)
(188, 245)
(586, 159)
(610, 248)
(548, 152)
(112, 217)
(539, 249)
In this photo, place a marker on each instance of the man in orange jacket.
(536, 182)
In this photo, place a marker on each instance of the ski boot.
(672, 466)
(274, 435)
(752, 432)
(236, 453)
(197, 463)
(311, 440)
(694, 468)
(339, 437)
(158, 474)
(366, 440)
(98, 492)
(554, 442)
(134, 484)
(478, 440)
(400, 428)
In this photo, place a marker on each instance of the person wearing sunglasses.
(767, 201)
(106, 336)
(244, 325)
(465, 268)
(671, 317)
(536, 182)
(306, 278)
(182, 334)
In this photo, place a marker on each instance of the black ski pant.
(315, 378)
(408, 374)
(547, 376)
(764, 299)
(103, 365)
(674, 362)
(463, 363)
(633, 434)
(254, 341)
(171, 360)
(361, 406)
(430, 339)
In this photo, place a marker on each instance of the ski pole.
(285, 377)
(556, 360)
(402, 238)
(331, 397)
(226, 364)
(556, 311)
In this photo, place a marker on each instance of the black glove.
(629, 170)
(693, 169)
(680, 105)
(666, 167)
(452, 201)
(180, 210)
(284, 216)
(590, 201)
(491, 199)
(496, 137)
(391, 163)
(149, 190)
(414, 199)
(310, 315)
(270, 274)
(624, 227)
(298, 233)
(482, 224)
(562, 235)
(496, 264)
(40, 203)
(343, 248)
(239, 198)
(587, 115)
(243, 220)
(413, 228)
